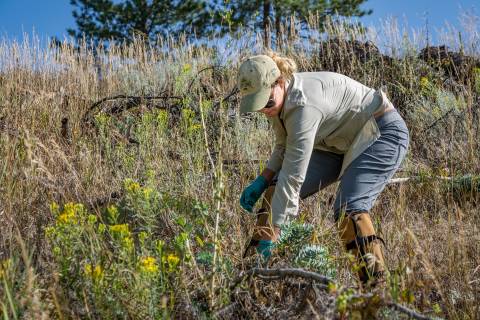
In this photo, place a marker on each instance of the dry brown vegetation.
(174, 131)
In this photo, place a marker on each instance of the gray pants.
(367, 175)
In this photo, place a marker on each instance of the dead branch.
(278, 274)
(409, 312)
(233, 92)
(281, 273)
(132, 101)
(418, 179)
(434, 123)
(198, 73)
(466, 183)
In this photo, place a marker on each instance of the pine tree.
(119, 21)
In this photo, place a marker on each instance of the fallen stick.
(277, 274)
(418, 178)
(407, 311)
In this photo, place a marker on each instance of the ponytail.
(286, 65)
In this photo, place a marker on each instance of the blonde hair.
(286, 65)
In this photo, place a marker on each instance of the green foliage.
(296, 238)
(115, 262)
(103, 20)
(294, 235)
(468, 184)
(316, 258)
(342, 301)
(435, 102)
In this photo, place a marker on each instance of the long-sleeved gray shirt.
(325, 111)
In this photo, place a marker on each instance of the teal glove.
(253, 192)
(264, 248)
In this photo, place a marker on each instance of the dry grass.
(432, 234)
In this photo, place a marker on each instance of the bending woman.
(328, 128)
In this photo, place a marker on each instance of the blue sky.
(53, 17)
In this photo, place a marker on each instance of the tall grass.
(130, 209)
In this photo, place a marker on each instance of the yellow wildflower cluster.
(172, 261)
(149, 265)
(70, 213)
(134, 188)
(147, 193)
(121, 232)
(113, 213)
(120, 229)
(93, 272)
(131, 186)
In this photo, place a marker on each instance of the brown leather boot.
(358, 236)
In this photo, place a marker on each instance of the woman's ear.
(281, 81)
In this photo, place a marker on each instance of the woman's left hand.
(266, 236)
(264, 248)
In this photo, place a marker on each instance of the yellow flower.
(142, 236)
(70, 213)
(195, 127)
(131, 186)
(424, 82)
(120, 229)
(121, 232)
(187, 67)
(112, 212)
(94, 272)
(148, 265)
(65, 218)
(147, 193)
(172, 261)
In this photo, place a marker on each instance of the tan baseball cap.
(255, 78)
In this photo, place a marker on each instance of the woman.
(328, 128)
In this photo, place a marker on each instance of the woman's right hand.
(253, 192)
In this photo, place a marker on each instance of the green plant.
(316, 258)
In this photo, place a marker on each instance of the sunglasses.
(270, 103)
